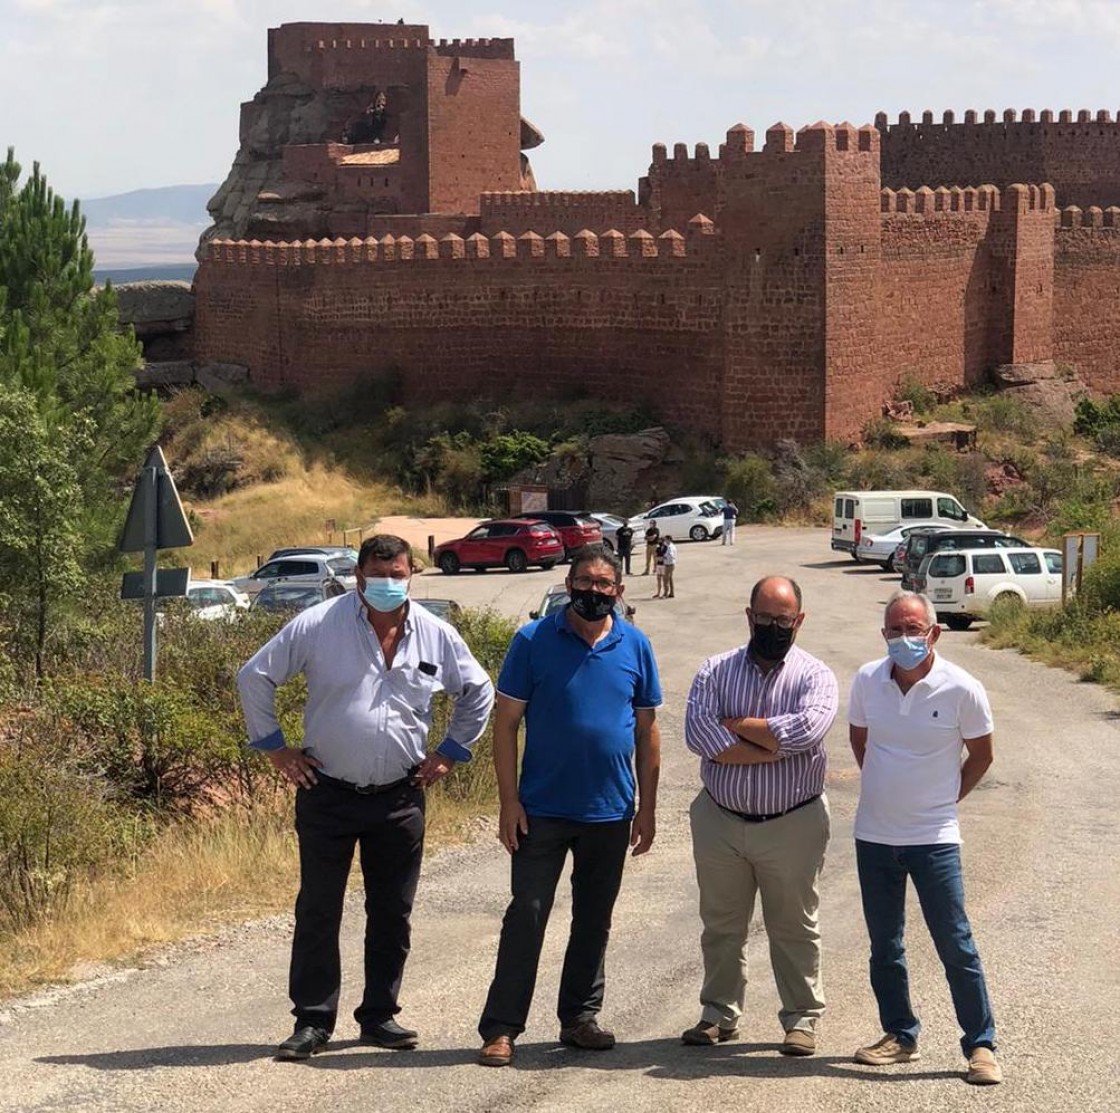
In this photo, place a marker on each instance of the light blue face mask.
(908, 653)
(384, 594)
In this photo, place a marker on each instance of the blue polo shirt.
(580, 717)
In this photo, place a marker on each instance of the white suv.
(697, 517)
(309, 568)
(964, 583)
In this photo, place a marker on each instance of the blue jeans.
(936, 873)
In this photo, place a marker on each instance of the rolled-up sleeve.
(817, 704)
(704, 734)
(276, 662)
(473, 693)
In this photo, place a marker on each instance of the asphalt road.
(194, 1030)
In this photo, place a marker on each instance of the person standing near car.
(373, 663)
(669, 562)
(912, 717)
(653, 538)
(757, 716)
(624, 543)
(730, 517)
(586, 684)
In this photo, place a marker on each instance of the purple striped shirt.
(798, 699)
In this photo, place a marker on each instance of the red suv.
(576, 530)
(510, 542)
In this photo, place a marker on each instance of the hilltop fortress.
(382, 215)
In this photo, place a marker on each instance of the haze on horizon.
(115, 96)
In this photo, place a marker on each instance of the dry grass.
(191, 881)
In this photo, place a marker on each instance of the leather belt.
(367, 790)
(746, 818)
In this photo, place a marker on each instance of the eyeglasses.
(586, 583)
(782, 621)
(907, 632)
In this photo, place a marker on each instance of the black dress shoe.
(390, 1034)
(303, 1043)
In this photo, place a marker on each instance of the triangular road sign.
(172, 531)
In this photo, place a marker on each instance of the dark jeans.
(625, 558)
(389, 831)
(936, 873)
(598, 856)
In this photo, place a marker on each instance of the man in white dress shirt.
(373, 664)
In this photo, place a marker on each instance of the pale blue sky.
(112, 96)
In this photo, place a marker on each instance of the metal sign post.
(155, 521)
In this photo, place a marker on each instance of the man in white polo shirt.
(912, 717)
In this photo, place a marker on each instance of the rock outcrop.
(1046, 386)
(161, 314)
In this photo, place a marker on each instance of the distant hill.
(181, 204)
(147, 229)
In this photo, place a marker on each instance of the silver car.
(307, 568)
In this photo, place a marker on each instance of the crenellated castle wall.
(568, 211)
(1076, 152)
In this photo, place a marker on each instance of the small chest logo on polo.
(935, 714)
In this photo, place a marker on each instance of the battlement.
(998, 121)
(926, 201)
(1093, 217)
(780, 139)
(551, 199)
(640, 245)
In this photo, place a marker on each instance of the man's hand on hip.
(295, 765)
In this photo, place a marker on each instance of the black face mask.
(771, 643)
(592, 606)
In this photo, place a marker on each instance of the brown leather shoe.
(587, 1036)
(497, 1052)
(704, 1034)
(799, 1041)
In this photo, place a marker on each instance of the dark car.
(923, 542)
(292, 596)
(507, 541)
(575, 529)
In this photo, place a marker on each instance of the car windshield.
(289, 597)
(341, 566)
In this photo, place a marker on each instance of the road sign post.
(155, 521)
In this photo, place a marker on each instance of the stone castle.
(382, 215)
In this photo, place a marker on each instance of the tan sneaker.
(983, 1070)
(708, 1035)
(890, 1049)
(799, 1041)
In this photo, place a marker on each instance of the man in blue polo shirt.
(585, 682)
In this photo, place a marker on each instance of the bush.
(749, 483)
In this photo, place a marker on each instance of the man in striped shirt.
(757, 717)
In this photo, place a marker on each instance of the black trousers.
(625, 558)
(598, 856)
(388, 829)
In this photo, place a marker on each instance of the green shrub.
(749, 483)
(880, 432)
(920, 397)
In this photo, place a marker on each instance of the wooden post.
(431, 547)
(214, 573)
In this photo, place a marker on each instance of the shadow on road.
(661, 1058)
(184, 1055)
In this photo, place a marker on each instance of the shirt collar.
(932, 679)
(613, 635)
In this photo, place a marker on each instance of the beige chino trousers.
(780, 861)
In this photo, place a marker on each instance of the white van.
(855, 513)
(964, 583)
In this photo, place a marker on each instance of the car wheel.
(1007, 600)
(958, 621)
(855, 556)
(515, 561)
(448, 564)
(698, 533)
(890, 565)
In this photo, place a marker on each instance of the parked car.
(324, 550)
(447, 609)
(306, 567)
(213, 599)
(609, 524)
(857, 512)
(965, 584)
(922, 542)
(557, 597)
(297, 595)
(698, 517)
(512, 542)
(886, 548)
(575, 529)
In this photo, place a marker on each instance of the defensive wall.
(1078, 153)
(757, 293)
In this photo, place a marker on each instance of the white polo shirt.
(911, 774)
